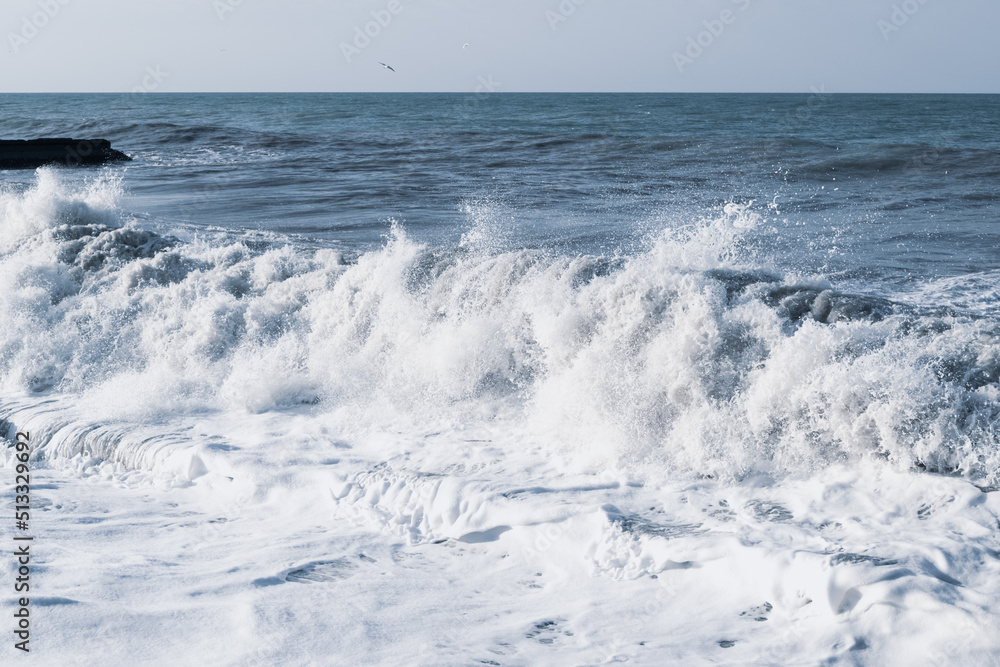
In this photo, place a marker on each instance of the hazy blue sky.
(514, 45)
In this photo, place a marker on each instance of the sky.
(946, 46)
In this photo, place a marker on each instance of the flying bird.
(386, 66)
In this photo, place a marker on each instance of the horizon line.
(484, 93)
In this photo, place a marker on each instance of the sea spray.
(684, 357)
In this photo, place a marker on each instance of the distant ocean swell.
(803, 157)
(689, 356)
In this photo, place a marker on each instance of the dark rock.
(32, 153)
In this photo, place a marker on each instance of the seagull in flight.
(386, 66)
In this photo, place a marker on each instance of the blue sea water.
(814, 276)
(914, 174)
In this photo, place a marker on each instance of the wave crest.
(675, 359)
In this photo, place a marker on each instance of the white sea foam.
(674, 359)
(484, 455)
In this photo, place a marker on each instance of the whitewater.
(259, 446)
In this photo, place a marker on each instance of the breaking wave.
(682, 358)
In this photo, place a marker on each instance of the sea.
(508, 379)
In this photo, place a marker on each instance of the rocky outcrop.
(28, 154)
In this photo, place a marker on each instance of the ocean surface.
(693, 341)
